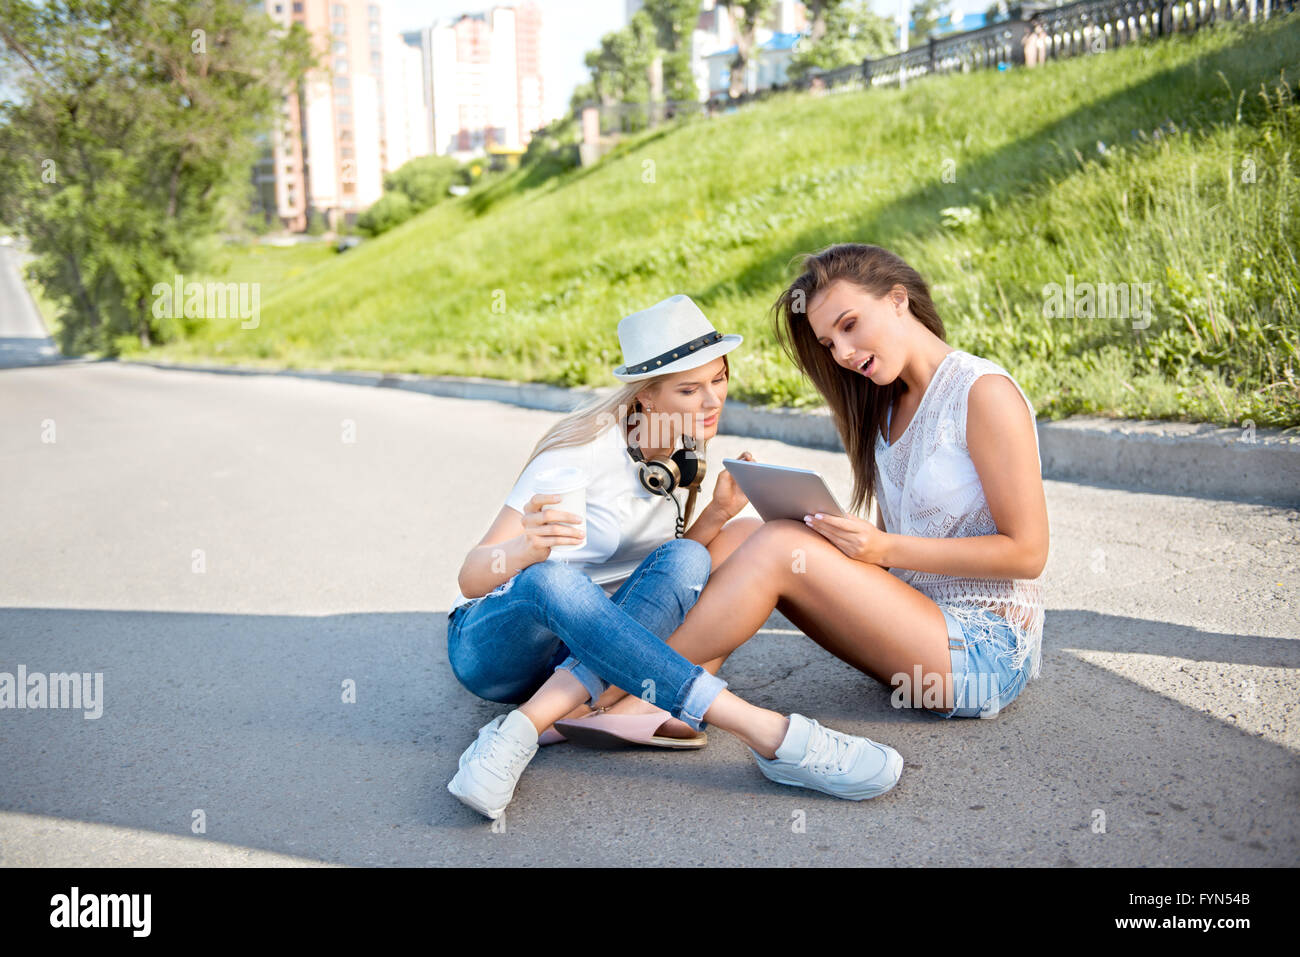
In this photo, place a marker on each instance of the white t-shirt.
(625, 522)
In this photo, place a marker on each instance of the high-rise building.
(528, 55)
(406, 128)
(483, 79)
(326, 155)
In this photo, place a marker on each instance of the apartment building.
(407, 133)
(326, 155)
(482, 79)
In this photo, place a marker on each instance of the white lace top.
(926, 485)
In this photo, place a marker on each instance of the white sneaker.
(832, 762)
(490, 767)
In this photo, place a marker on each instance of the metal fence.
(1084, 27)
(1088, 26)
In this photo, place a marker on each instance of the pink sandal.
(550, 736)
(600, 729)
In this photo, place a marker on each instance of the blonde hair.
(593, 417)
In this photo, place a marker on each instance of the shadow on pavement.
(242, 716)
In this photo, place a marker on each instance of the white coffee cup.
(571, 485)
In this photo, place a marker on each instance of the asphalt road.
(23, 339)
(1166, 711)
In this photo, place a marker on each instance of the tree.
(583, 94)
(746, 16)
(926, 15)
(126, 141)
(817, 11)
(674, 22)
(851, 34)
(620, 66)
(997, 12)
(656, 40)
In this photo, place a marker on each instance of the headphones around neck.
(685, 468)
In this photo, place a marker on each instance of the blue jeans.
(984, 681)
(550, 615)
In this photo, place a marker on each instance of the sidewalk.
(1245, 464)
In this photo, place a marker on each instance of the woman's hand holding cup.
(547, 528)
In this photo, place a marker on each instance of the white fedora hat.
(670, 336)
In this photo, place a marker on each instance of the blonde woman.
(544, 632)
(500, 647)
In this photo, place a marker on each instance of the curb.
(1174, 458)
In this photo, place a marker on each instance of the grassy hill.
(1172, 163)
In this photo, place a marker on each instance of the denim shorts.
(984, 680)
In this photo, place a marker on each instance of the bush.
(556, 137)
(423, 180)
(414, 187)
(469, 173)
(255, 223)
(392, 209)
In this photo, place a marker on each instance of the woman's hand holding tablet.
(727, 494)
(855, 537)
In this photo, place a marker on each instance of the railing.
(1088, 26)
(1084, 27)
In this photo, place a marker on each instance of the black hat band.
(671, 354)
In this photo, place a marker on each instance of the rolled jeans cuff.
(700, 695)
(594, 683)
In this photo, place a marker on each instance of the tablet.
(778, 491)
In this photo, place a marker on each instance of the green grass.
(270, 265)
(527, 279)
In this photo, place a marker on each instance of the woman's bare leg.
(618, 701)
(730, 537)
(857, 611)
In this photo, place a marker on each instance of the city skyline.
(567, 35)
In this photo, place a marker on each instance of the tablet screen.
(778, 491)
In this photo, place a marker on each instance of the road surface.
(23, 338)
(215, 548)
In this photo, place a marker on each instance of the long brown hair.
(857, 404)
